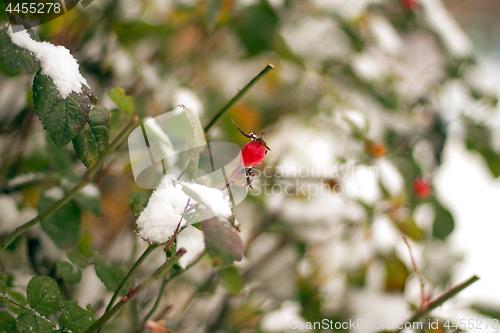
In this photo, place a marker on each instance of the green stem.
(155, 306)
(238, 96)
(136, 265)
(441, 299)
(133, 292)
(83, 182)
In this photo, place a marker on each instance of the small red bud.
(421, 188)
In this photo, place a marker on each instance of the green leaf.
(15, 59)
(29, 322)
(124, 102)
(231, 279)
(396, 274)
(69, 272)
(86, 3)
(443, 222)
(409, 228)
(3, 284)
(76, 258)
(256, 27)
(110, 276)
(85, 245)
(94, 138)
(7, 323)
(74, 318)
(222, 241)
(118, 118)
(138, 201)
(63, 225)
(89, 199)
(63, 118)
(212, 13)
(489, 311)
(59, 158)
(43, 295)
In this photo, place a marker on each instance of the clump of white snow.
(211, 198)
(159, 220)
(56, 62)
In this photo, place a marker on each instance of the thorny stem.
(238, 96)
(83, 182)
(417, 271)
(440, 300)
(133, 292)
(178, 226)
(136, 265)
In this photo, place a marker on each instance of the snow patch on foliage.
(56, 62)
(159, 220)
(211, 198)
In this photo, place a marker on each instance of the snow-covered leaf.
(223, 243)
(43, 295)
(64, 118)
(14, 58)
(94, 138)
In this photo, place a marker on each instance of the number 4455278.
(35, 8)
(472, 324)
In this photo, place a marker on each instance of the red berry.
(410, 5)
(253, 153)
(421, 188)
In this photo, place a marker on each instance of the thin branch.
(441, 299)
(133, 292)
(417, 271)
(136, 265)
(87, 178)
(238, 96)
